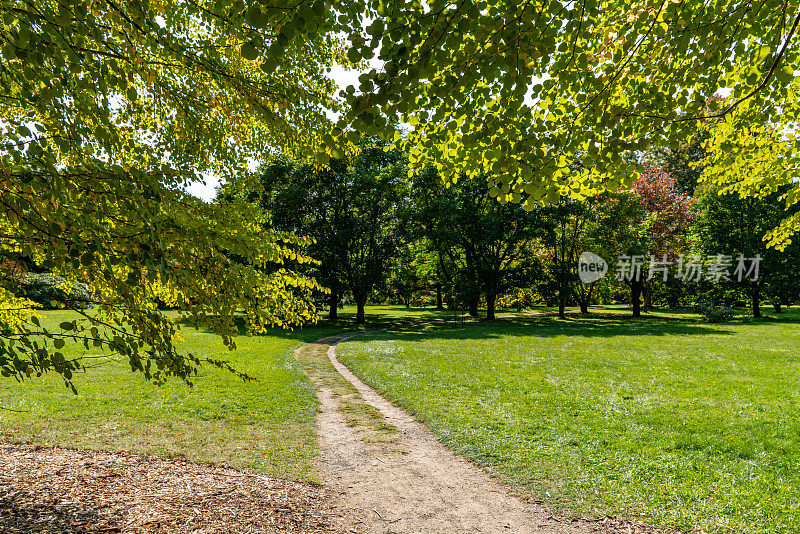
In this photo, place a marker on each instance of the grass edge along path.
(365, 418)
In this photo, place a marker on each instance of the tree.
(682, 162)
(108, 110)
(734, 227)
(414, 269)
(757, 160)
(377, 190)
(483, 245)
(570, 222)
(669, 217)
(621, 232)
(350, 209)
(308, 201)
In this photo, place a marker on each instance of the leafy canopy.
(529, 90)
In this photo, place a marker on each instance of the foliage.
(135, 246)
(483, 245)
(712, 313)
(149, 84)
(670, 212)
(621, 229)
(668, 217)
(751, 158)
(682, 162)
(524, 91)
(348, 208)
(108, 109)
(570, 223)
(47, 289)
(517, 298)
(413, 274)
(735, 226)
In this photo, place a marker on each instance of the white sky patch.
(205, 190)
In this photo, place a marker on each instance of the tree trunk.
(490, 300)
(360, 303)
(562, 300)
(777, 305)
(647, 294)
(585, 298)
(473, 306)
(439, 303)
(333, 302)
(636, 291)
(757, 302)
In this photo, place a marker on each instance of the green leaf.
(249, 51)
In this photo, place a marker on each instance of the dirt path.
(415, 484)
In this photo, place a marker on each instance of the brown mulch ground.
(44, 491)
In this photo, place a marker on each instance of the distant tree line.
(383, 234)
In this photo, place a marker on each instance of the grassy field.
(266, 426)
(683, 423)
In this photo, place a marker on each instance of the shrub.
(517, 298)
(715, 314)
(44, 288)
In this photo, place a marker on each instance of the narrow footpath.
(414, 483)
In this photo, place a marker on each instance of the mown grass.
(266, 426)
(676, 421)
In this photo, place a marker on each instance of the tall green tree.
(735, 226)
(349, 208)
(313, 202)
(414, 270)
(569, 222)
(484, 246)
(620, 236)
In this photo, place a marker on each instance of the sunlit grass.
(267, 426)
(691, 424)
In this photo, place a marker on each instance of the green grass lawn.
(685, 423)
(266, 426)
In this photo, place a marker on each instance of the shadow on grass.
(457, 325)
(593, 325)
(375, 320)
(24, 511)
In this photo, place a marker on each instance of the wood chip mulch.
(48, 491)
